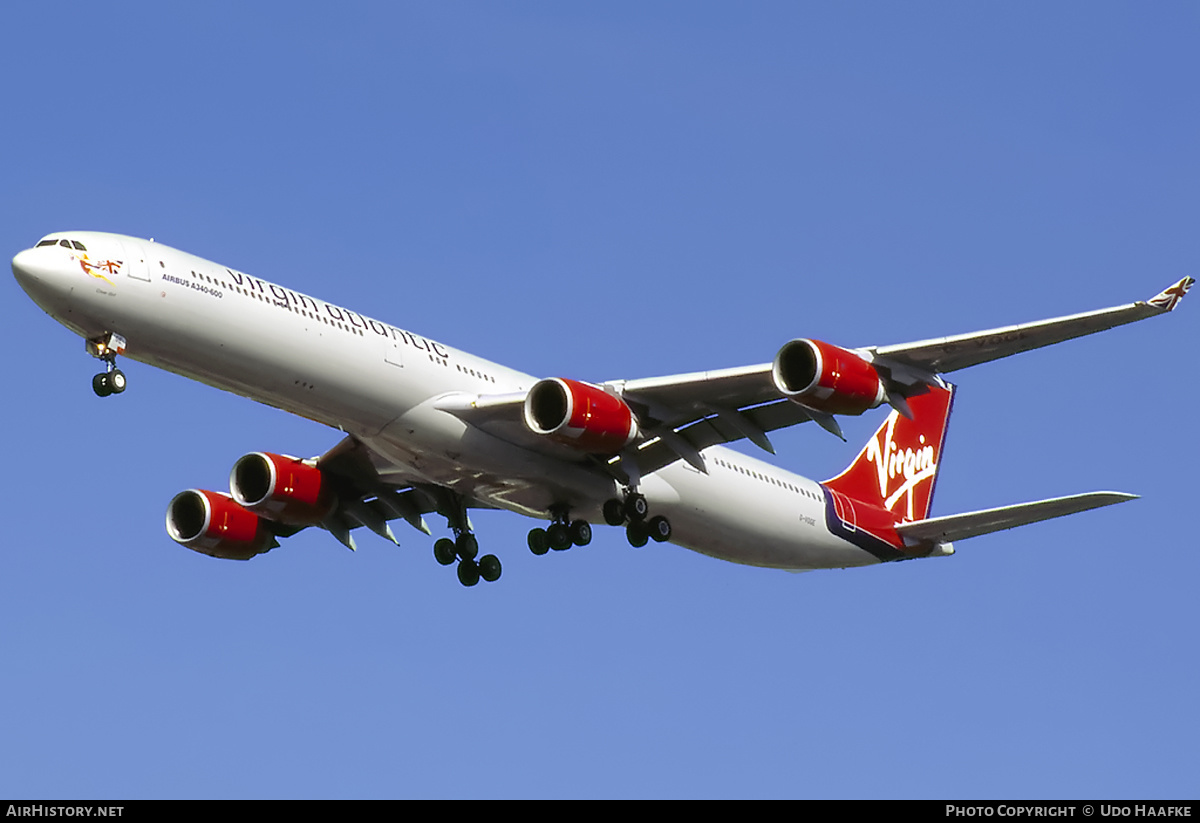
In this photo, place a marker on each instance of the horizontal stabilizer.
(972, 524)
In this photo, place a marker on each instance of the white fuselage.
(381, 384)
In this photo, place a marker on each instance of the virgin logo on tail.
(892, 462)
(900, 462)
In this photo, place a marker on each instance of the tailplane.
(881, 501)
(972, 524)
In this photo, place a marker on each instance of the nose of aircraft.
(25, 268)
(43, 275)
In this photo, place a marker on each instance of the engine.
(827, 378)
(580, 415)
(281, 488)
(213, 524)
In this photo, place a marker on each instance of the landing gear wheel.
(466, 546)
(660, 529)
(581, 532)
(443, 551)
(636, 508)
(116, 381)
(539, 543)
(614, 512)
(489, 568)
(468, 573)
(100, 385)
(560, 536)
(637, 534)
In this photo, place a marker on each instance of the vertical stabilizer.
(897, 468)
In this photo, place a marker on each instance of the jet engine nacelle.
(827, 378)
(284, 489)
(213, 524)
(581, 415)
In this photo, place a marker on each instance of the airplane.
(431, 429)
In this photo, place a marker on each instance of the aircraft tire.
(614, 512)
(466, 546)
(468, 573)
(637, 534)
(443, 551)
(581, 532)
(560, 536)
(539, 543)
(117, 381)
(489, 568)
(636, 508)
(660, 529)
(100, 385)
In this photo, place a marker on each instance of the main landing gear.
(464, 548)
(561, 534)
(632, 512)
(106, 348)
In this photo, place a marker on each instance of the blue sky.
(601, 191)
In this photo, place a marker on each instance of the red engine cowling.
(580, 415)
(281, 488)
(213, 524)
(827, 378)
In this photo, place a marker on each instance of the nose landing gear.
(111, 380)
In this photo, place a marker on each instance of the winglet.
(1169, 297)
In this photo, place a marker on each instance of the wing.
(367, 499)
(680, 415)
(677, 418)
(947, 354)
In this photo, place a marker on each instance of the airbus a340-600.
(431, 429)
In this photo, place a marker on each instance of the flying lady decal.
(97, 269)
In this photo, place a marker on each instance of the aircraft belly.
(743, 520)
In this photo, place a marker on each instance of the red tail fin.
(897, 468)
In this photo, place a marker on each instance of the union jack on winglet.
(1167, 298)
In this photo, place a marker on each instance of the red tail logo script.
(899, 463)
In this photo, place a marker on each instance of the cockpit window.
(65, 244)
(45, 243)
(78, 246)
